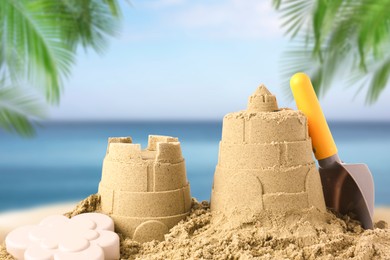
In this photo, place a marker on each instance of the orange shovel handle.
(306, 99)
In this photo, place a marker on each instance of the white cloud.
(230, 19)
(221, 19)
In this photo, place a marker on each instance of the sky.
(193, 60)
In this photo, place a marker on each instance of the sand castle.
(146, 192)
(265, 160)
(265, 164)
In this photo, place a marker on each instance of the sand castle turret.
(146, 192)
(265, 160)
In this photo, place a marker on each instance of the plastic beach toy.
(85, 236)
(348, 188)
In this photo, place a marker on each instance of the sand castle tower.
(146, 192)
(265, 160)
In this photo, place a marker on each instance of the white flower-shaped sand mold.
(85, 236)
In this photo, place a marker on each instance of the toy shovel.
(348, 188)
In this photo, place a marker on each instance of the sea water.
(63, 161)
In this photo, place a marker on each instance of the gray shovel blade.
(349, 188)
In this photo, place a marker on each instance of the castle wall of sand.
(265, 160)
(146, 192)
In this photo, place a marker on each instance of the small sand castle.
(146, 192)
(265, 161)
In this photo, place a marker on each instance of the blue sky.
(181, 59)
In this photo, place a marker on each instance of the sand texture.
(266, 199)
(146, 192)
(296, 234)
(265, 161)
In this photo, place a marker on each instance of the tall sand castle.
(265, 161)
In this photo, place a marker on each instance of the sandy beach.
(308, 232)
(12, 219)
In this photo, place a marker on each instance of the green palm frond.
(295, 15)
(114, 7)
(18, 111)
(97, 25)
(31, 36)
(347, 39)
(276, 3)
(39, 39)
(300, 59)
(85, 22)
(379, 81)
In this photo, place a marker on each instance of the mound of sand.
(291, 235)
(302, 234)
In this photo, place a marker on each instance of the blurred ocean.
(63, 162)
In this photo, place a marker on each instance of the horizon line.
(177, 120)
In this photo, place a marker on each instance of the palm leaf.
(44, 34)
(39, 42)
(276, 3)
(295, 15)
(86, 22)
(114, 7)
(348, 40)
(31, 34)
(379, 81)
(19, 111)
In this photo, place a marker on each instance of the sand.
(262, 152)
(297, 234)
(267, 201)
(146, 192)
